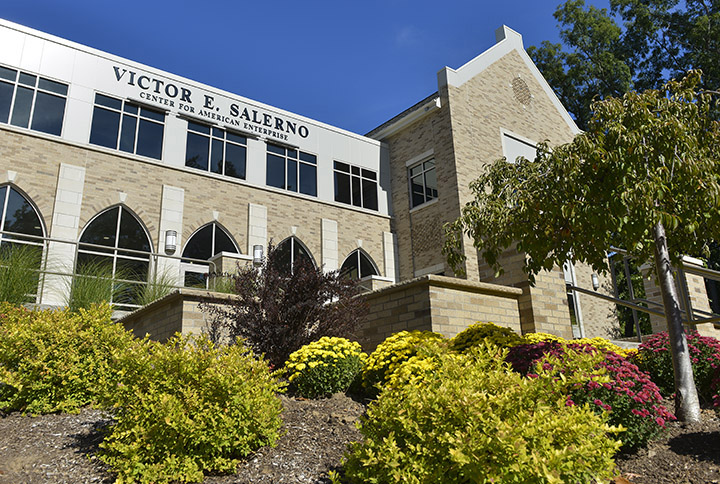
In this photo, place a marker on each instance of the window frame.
(423, 173)
(357, 254)
(287, 160)
(16, 83)
(195, 267)
(211, 137)
(354, 172)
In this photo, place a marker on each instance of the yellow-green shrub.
(597, 342)
(187, 407)
(484, 332)
(393, 352)
(57, 361)
(323, 367)
(473, 420)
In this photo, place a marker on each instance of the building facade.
(104, 159)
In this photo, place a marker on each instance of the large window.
(31, 101)
(358, 265)
(116, 244)
(292, 170)
(208, 241)
(126, 126)
(215, 150)
(423, 183)
(355, 186)
(291, 252)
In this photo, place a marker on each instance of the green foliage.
(188, 407)
(324, 367)
(484, 332)
(94, 283)
(158, 286)
(626, 323)
(470, 419)
(389, 356)
(57, 361)
(19, 265)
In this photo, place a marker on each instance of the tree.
(277, 310)
(638, 44)
(645, 176)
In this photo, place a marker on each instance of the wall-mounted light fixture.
(170, 241)
(595, 281)
(257, 255)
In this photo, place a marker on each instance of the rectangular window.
(126, 126)
(216, 150)
(355, 186)
(292, 170)
(423, 183)
(30, 101)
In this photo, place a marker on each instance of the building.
(104, 159)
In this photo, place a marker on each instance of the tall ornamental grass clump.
(95, 283)
(471, 419)
(19, 265)
(324, 367)
(187, 407)
(655, 358)
(57, 360)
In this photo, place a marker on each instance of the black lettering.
(208, 102)
(119, 76)
(131, 81)
(171, 90)
(185, 95)
(140, 81)
(290, 127)
(279, 124)
(267, 120)
(303, 131)
(255, 118)
(234, 110)
(158, 83)
(245, 115)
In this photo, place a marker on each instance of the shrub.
(277, 311)
(324, 367)
(186, 407)
(484, 332)
(655, 358)
(57, 361)
(472, 420)
(19, 265)
(393, 352)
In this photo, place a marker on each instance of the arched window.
(116, 244)
(209, 240)
(291, 252)
(19, 219)
(358, 265)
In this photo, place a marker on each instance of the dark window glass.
(349, 268)
(369, 174)
(9, 74)
(275, 171)
(150, 138)
(282, 258)
(342, 187)
(132, 235)
(236, 138)
(200, 128)
(102, 230)
(200, 244)
(366, 267)
(20, 216)
(235, 160)
(6, 94)
(49, 113)
(308, 179)
(108, 101)
(417, 189)
(194, 279)
(216, 165)
(131, 108)
(357, 265)
(369, 189)
(223, 242)
(27, 79)
(292, 153)
(104, 131)
(275, 149)
(356, 200)
(23, 104)
(301, 255)
(423, 183)
(53, 86)
(341, 166)
(127, 136)
(196, 155)
(356, 170)
(150, 114)
(308, 157)
(430, 185)
(292, 175)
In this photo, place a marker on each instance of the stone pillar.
(257, 226)
(171, 218)
(390, 249)
(330, 256)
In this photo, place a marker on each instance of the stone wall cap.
(181, 293)
(432, 280)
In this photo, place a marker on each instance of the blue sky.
(349, 64)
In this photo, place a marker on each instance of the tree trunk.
(687, 405)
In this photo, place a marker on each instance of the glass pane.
(218, 133)
(356, 200)
(275, 149)
(235, 160)
(53, 86)
(356, 170)
(132, 235)
(9, 74)
(349, 268)
(21, 110)
(292, 175)
(135, 270)
(127, 136)
(342, 166)
(216, 157)
(200, 244)
(369, 189)
(196, 279)
(49, 113)
(200, 128)
(150, 114)
(97, 271)
(282, 257)
(417, 191)
(223, 242)
(429, 164)
(131, 108)
(196, 151)
(292, 153)
(366, 267)
(101, 231)
(430, 184)
(150, 139)
(236, 138)
(275, 171)
(27, 79)
(301, 256)
(20, 216)
(308, 179)
(6, 93)
(415, 170)
(369, 174)
(308, 157)
(342, 188)
(104, 130)
(110, 102)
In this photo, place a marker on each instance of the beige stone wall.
(437, 303)
(598, 315)
(36, 159)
